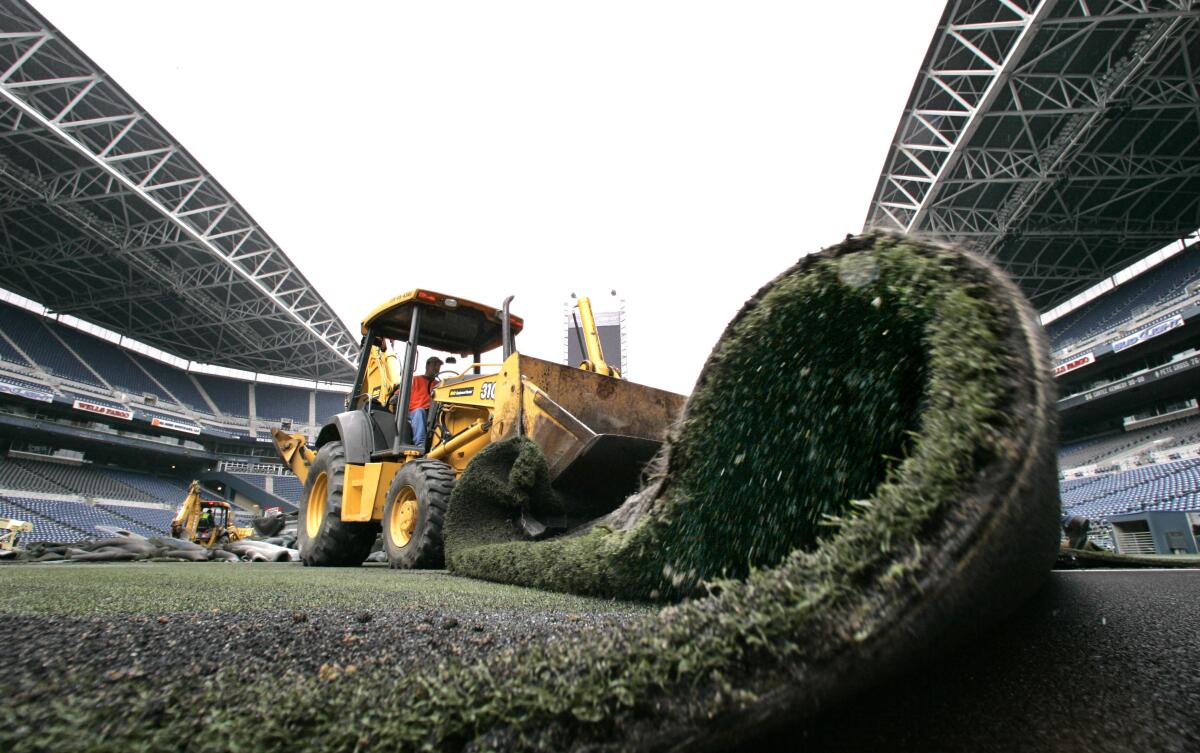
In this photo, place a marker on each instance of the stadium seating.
(157, 520)
(79, 516)
(15, 476)
(329, 404)
(257, 479)
(10, 354)
(44, 529)
(275, 401)
(82, 479)
(289, 488)
(1138, 295)
(1158, 437)
(31, 333)
(110, 361)
(168, 491)
(174, 379)
(137, 374)
(6, 379)
(1168, 486)
(232, 397)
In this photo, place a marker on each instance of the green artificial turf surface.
(149, 656)
(160, 587)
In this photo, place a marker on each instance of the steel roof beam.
(1089, 126)
(127, 171)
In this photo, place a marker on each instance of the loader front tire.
(417, 500)
(323, 538)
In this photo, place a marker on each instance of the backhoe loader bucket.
(598, 433)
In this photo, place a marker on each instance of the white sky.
(682, 153)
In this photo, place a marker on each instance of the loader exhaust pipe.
(510, 347)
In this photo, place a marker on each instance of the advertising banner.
(12, 389)
(1142, 335)
(103, 410)
(1078, 362)
(165, 423)
(1145, 377)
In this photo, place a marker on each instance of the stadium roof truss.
(105, 217)
(1061, 139)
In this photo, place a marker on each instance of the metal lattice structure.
(105, 217)
(1061, 139)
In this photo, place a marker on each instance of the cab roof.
(449, 324)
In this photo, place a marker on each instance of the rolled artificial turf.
(864, 476)
(864, 472)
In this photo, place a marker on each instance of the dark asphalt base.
(1098, 661)
(103, 659)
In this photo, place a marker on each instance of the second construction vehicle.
(596, 429)
(206, 522)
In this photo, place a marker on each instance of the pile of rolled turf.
(865, 474)
(153, 549)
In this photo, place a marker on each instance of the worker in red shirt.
(420, 399)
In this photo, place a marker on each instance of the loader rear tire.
(417, 500)
(323, 538)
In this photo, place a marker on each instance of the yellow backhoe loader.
(596, 429)
(206, 522)
(10, 532)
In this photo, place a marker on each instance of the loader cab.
(394, 331)
(214, 516)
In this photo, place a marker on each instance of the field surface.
(136, 656)
(149, 656)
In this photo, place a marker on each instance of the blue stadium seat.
(13, 475)
(16, 382)
(257, 479)
(174, 379)
(156, 520)
(289, 488)
(1169, 486)
(10, 354)
(44, 529)
(84, 480)
(169, 491)
(1149, 289)
(232, 396)
(329, 404)
(111, 362)
(79, 516)
(275, 401)
(31, 333)
(1159, 437)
